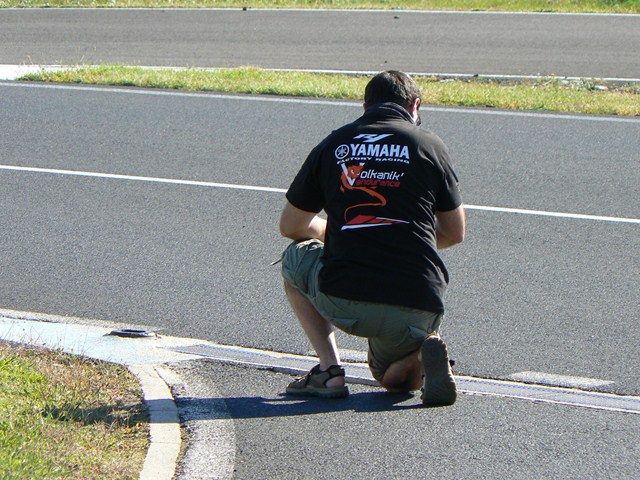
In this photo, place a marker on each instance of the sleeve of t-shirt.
(305, 192)
(449, 196)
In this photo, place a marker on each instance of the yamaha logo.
(342, 151)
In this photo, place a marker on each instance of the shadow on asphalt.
(290, 406)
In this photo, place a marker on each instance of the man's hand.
(301, 225)
(450, 227)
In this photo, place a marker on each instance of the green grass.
(64, 416)
(549, 94)
(616, 6)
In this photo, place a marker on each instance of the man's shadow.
(290, 406)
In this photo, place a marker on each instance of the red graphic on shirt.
(349, 176)
(364, 221)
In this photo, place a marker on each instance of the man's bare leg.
(319, 331)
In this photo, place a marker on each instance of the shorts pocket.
(417, 333)
(347, 325)
(298, 262)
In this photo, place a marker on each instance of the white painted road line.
(542, 213)
(310, 101)
(113, 176)
(559, 380)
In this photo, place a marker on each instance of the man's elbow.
(287, 230)
(457, 237)
(292, 230)
(301, 225)
(449, 240)
(451, 227)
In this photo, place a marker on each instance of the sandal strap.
(332, 372)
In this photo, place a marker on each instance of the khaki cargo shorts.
(393, 332)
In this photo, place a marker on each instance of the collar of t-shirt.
(386, 110)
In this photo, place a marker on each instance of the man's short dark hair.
(392, 86)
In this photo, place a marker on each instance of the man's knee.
(298, 262)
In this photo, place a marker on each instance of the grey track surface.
(373, 435)
(528, 293)
(426, 42)
(238, 424)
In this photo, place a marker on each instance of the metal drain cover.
(130, 333)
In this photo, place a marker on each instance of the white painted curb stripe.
(568, 381)
(164, 425)
(359, 373)
(577, 216)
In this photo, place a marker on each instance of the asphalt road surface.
(529, 292)
(424, 42)
(160, 209)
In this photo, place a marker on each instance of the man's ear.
(413, 109)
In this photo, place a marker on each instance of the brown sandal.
(314, 383)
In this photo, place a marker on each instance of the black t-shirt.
(380, 180)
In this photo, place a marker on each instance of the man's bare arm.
(450, 227)
(299, 224)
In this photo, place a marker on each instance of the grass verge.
(548, 94)
(64, 416)
(595, 6)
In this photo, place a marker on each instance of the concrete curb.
(164, 425)
(143, 357)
